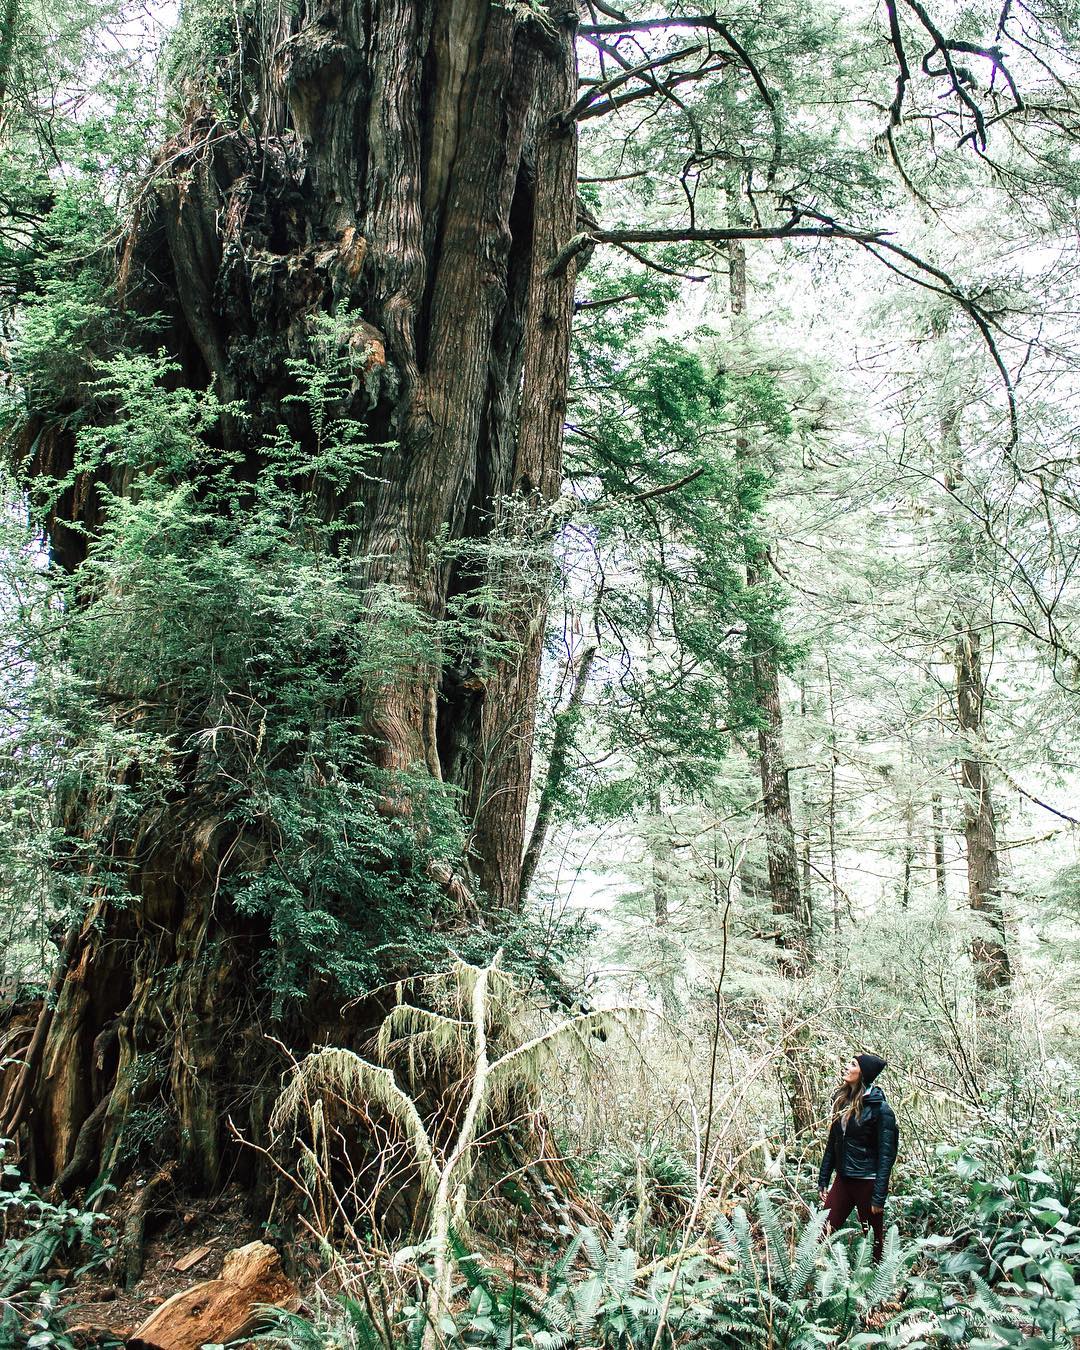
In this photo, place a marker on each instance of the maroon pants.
(848, 1193)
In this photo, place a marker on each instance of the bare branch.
(609, 86)
(790, 230)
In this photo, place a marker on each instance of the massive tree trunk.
(787, 898)
(989, 951)
(403, 163)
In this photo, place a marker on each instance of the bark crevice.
(395, 164)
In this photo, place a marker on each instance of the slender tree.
(989, 950)
(788, 898)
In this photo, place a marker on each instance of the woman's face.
(852, 1073)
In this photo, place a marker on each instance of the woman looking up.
(861, 1149)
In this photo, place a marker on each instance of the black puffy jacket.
(866, 1150)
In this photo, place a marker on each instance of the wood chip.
(192, 1258)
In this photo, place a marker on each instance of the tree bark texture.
(937, 819)
(989, 949)
(402, 163)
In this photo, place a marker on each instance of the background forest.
(538, 615)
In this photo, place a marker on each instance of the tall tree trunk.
(834, 862)
(989, 950)
(776, 805)
(937, 825)
(9, 16)
(660, 851)
(807, 879)
(404, 164)
(562, 745)
(908, 854)
(780, 844)
(807, 808)
(658, 841)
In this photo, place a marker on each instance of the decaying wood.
(192, 1258)
(220, 1310)
(130, 1250)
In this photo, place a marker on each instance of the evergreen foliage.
(778, 605)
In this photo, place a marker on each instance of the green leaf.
(1061, 1278)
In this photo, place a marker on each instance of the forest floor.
(182, 1248)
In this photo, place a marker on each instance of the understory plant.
(1018, 1239)
(801, 1287)
(470, 1038)
(36, 1234)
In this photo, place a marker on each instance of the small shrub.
(35, 1234)
(654, 1180)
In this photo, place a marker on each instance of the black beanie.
(871, 1066)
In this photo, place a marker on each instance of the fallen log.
(216, 1311)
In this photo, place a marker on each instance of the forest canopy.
(539, 617)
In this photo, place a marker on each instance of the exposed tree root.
(13, 1110)
(84, 1157)
(130, 1249)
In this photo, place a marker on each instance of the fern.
(890, 1271)
(736, 1238)
(593, 1248)
(841, 1266)
(344, 1323)
(775, 1240)
(807, 1253)
(551, 1340)
(990, 1300)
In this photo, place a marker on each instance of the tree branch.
(607, 87)
(664, 488)
(708, 22)
(824, 228)
(790, 230)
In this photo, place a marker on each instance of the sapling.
(477, 1033)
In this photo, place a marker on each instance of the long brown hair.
(849, 1099)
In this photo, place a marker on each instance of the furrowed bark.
(509, 714)
(403, 168)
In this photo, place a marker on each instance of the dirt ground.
(96, 1304)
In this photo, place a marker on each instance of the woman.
(861, 1148)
